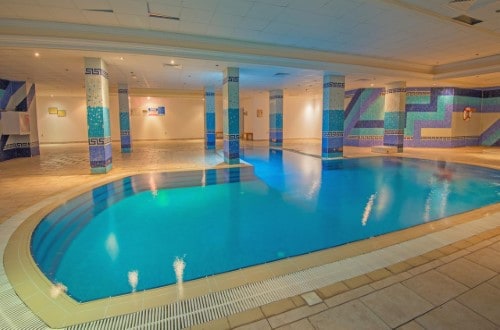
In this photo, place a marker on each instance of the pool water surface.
(126, 235)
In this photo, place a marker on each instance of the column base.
(101, 170)
(126, 150)
(231, 161)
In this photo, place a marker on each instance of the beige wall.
(184, 118)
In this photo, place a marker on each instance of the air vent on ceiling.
(101, 10)
(159, 15)
(281, 74)
(467, 19)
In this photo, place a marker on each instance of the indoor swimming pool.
(152, 230)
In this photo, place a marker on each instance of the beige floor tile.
(278, 307)
(295, 315)
(466, 272)
(484, 300)
(298, 301)
(351, 315)
(495, 281)
(411, 326)
(245, 317)
(399, 267)
(259, 325)
(425, 267)
(435, 254)
(357, 281)
(448, 249)
(486, 257)
(379, 274)
(435, 287)
(390, 280)
(396, 304)
(332, 290)
(495, 246)
(417, 261)
(303, 324)
(348, 296)
(456, 316)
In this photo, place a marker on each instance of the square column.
(276, 118)
(332, 137)
(99, 130)
(210, 118)
(124, 107)
(231, 115)
(394, 115)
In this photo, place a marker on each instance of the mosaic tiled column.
(394, 115)
(276, 118)
(210, 118)
(332, 137)
(99, 131)
(123, 105)
(231, 115)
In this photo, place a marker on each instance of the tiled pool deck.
(454, 284)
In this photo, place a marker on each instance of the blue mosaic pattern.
(18, 96)
(231, 115)
(276, 118)
(98, 121)
(210, 118)
(332, 139)
(124, 110)
(364, 117)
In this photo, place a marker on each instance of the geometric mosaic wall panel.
(18, 96)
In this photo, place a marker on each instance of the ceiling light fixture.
(37, 54)
(158, 15)
(172, 65)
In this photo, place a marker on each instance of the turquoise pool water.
(127, 234)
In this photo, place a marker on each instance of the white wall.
(184, 118)
(54, 129)
(301, 116)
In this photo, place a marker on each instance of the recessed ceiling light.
(172, 62)
(149, 97)
(371, 85)
(122, 58)
(37, 54)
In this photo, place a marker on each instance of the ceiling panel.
(412, 31)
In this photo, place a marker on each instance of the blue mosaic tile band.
(209, 118)
(97, 71)
(98, 120)
(124, 111)
(332, 139)
(99, 141)
(395, 90)
(231, 149)
(100, 158)
(276, 118)
(332, 84)
(231, 115)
